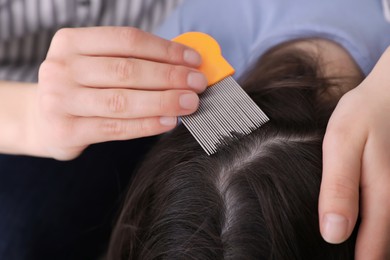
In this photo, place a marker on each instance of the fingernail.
(189, 101)
(335, 228)
(168, 120)
(192, 57)
(197, 81)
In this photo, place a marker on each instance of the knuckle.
(119, 129)
(342, 188)
(174, 52)
(117, 102)
(63, 33)
(123, 69)
(114, 128)
(172, 75)
(144, 127)
(162, 104)
(337, 133)
(167, 101)
(63, 37)
(48, 69)
(44, 70)
(129, 35)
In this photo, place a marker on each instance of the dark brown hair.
(254, 199)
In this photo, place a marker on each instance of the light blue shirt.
(246, 29)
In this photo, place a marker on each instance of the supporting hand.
(356, 171)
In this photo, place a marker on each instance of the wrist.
(17, 102)
(32, 143)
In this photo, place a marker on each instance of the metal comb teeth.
(225, 109)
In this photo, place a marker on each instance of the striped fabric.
(27, 26)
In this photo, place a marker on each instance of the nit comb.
(225, 109)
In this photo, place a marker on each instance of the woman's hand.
(110, 83)
(356, 171)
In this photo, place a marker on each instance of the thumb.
(339, 194)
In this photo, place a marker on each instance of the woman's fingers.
(122, 42)
(134, 73)
(127, 103)
(374, 232)
(95, 130)
(339, 193)
(72, 136)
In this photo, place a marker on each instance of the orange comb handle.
(214, 66)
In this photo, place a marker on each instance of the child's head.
(255, 198)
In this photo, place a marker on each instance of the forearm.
(16, 101)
